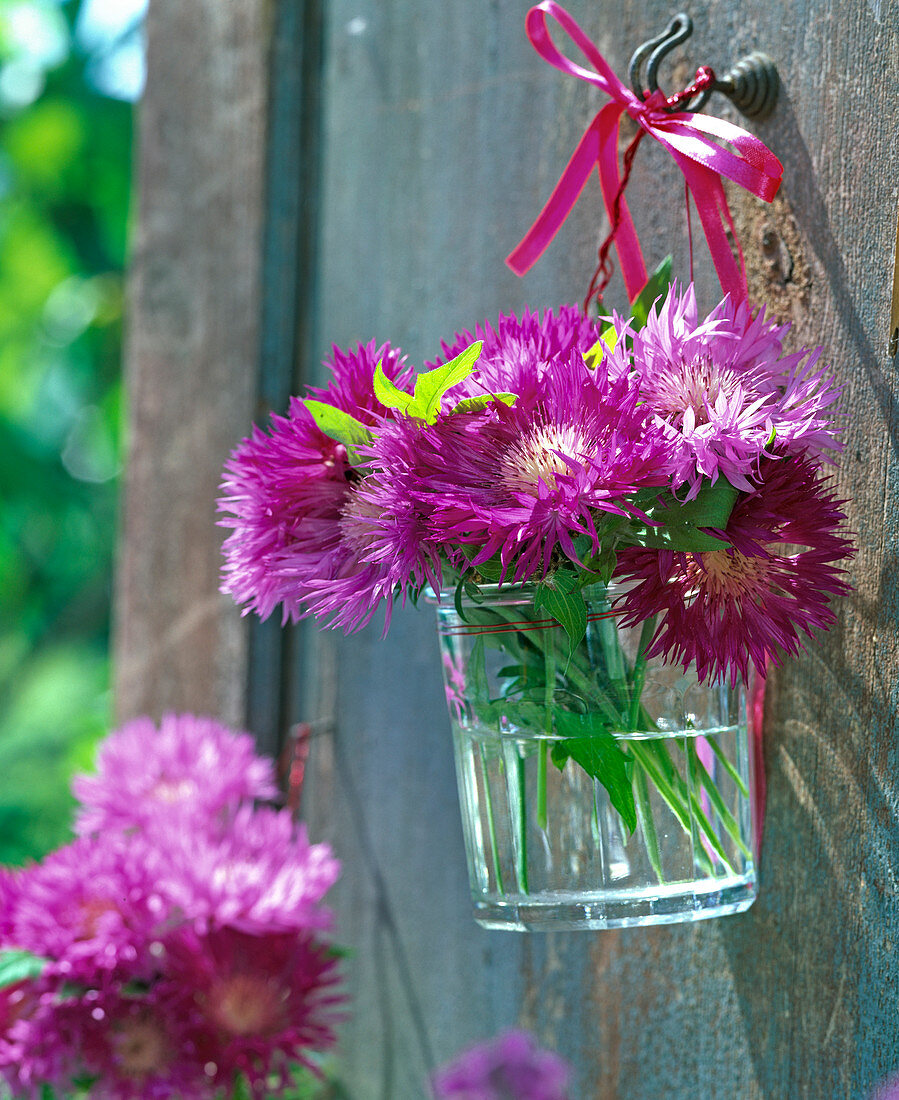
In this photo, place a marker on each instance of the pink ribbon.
(692, 139)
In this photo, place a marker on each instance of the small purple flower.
(725, 608)
(887, 1090)
(510, 1067)
(189, 765)
(724, 393)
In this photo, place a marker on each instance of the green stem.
(647, 824)
(491, 825)
(542, 817)
(549, 665)
(639, 677)
(649, 755)
(522, 827)
(712, 742)
(727, 818)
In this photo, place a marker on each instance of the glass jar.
(598, 789)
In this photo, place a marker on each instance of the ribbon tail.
(559, 204)
(756, 708)
(627, 244)
(714, 213)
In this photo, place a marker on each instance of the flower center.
(140, 1047)
(535, 457)
(245, 1004)
(696, 385)
(729, 574)
(356, 529)
(91, 912)
(173, 790)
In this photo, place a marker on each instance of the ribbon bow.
(691, 138)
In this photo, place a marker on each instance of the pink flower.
(260, 875)
(189, 765)
(130, 1047)
(289, 498)
(724, 394)
(510, 1067)
(725, 608)
(261, 1002)
(521, 482)
(92, 907)
(351, 388)
(518, 355)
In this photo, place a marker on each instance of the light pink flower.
(188, 765)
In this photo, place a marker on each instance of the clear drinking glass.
(598, 789)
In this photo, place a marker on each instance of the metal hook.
(752, 84)
(678, 30)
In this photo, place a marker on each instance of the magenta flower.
(261, 875)
(261, 1002)
(91, 907)
(518, 355)
(190, 765)
(8, 891)
(351, 389)
(132, 1047)
(289, 498)
(723, 392)
(510, 1067)
(523, 481)
(725, 608)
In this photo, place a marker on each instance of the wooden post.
(399, 182)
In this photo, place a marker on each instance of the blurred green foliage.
(65, 152)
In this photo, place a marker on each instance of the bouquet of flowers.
(178, 946)
(664, 473)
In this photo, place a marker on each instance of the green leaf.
(599, 567)
(656, 286)
(491, 569)
(433, 384)
(607, 341)
(680, 537)
(390, 395)
(711, 507)
(680, 525)
(341, 426)
(473, 404)
(589, 744)
(560, 596)
(19, 966)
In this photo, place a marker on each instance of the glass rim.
(517, 593)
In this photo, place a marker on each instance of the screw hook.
(752, 84)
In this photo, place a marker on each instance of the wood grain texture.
(441, 134)
(192, 352)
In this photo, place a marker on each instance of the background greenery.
(65, 159)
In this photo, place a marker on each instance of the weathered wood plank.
(192, 352)
(443, 136)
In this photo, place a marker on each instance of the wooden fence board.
(440, 135)
(192, 352)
